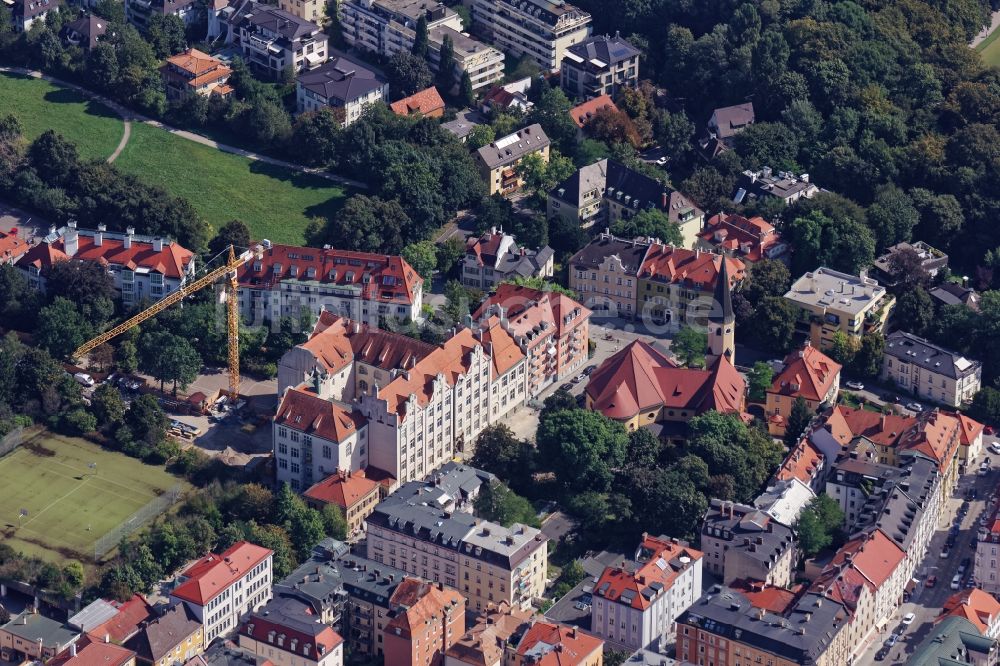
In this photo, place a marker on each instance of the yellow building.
(808, 374)
(174, 637)
(310, 10)
(498, 161)
(830, 302)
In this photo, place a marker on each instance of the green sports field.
(70, 505)
(989, 49)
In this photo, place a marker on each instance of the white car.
(857, 386)
(909, 618)
(914, 406)
(995, 448)
(84, 379)
(662, 161)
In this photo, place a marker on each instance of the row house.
(493, 639)
(275, 42)
(599, 65)
(955, 640)
(930, 371)
(539, 29)
(220, 589)
(426, 620)
(29, 636)
(550, 329)
(495, 257)
(285, 632)
(138, 12)
(287, 281)
(175, 636)
(141, 267)
(486, 562)
(499, 160)
(635, 606)
(749, 239)
(607, 191)
(808, 374)
(340, 83)
(604, 274)
(831, 302)
(743, 542)
(986, 566)
(194, 73)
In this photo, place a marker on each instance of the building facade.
(26, 12)
(830, 302)
(740, 541)
(138, 12)
(220, 589)
(539, 29)
(930, 371)
(285, 632)
(275, 42)
(355, 494)
(173, 637)
(340, 84)
(426, 620)
(604, 274)
(194, 73)
(809, 374)
(599, 65)
(495, 257)
(499, 160)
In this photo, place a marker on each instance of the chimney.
(72, 649)
(157, 244)
(107, 638)
(665, 200)
(99, 236)
(129, 232)
(71, 241)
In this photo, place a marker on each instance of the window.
(326, 452)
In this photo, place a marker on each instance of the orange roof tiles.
(640, 377)
(801, 463)
(506, 353)
(451, 359)
(12, 248)
(558, 645)
(344, 490)
(666, 263)
(126, 623)
(421, 602)
(213, 574)
(882, 429)
(303, 410)
(769, 597)
(808, 373)
(978, 607)
(873, 554)
(337, 341)
(970, 428)
(91, 650)
(171, 261)
(937, 435)
(526, 309)
(582, 113)
(663, 565)
(751, 237)
(195, 62)
(844, 585)
(426, 102)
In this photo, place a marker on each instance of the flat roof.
(837, 291)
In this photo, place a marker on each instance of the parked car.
(966, 561)
(857, 386)
(908, 619)
(961, 569)
(949, 543)
(945, 552)
(579, 378)
(662, 161)
(589, 369)
(971, 494)
(83, 379)
(891, 641)
(931, 581)
(914, 406)
(984, 469)
(566, 387)
(995, 448)
(964, 509)
(881, 654)
(956, 582)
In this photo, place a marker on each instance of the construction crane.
(228, 271)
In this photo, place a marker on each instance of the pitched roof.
(171, 261)
(925, 354)
(808, 373)
(340, 79)
(91, 650)
(530, 311)
(90, 28)
(378, 277)
(303, 410)
(769, 597)
(731, 118)
(194, 62)
(426, 102)
(637, 587)
(11, 248)
(421, 603)
(482, 645)
(511, 148)
(505, 351)
(603, 48)
(337, 341)
(213, 574)
(873, 554)
(558, 645)
(629, 253)
(666, 263)
(295, 621)
(131, 614)
(936, 434)
(160, 636)
(978, 607)
(881, 429)
(640, 377)
(583, 113)
(801, 463)
(343, 489)
(971, 429)
(752, 238)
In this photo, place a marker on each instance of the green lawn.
(989, 48)
(70, 506)
(39, 105)
(275, 203)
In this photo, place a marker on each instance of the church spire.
(722, 320)
(722, 309)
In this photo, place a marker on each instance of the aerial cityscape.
(499, 332)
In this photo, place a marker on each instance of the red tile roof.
(769, 597)
(125, 624)
(322, 638)
(91, 650)
(808, 373)
(582, 113)
(558, 645)
(882, 429)
(971, 429)
(664, 562)
(526, 309)
(751, 238)
(640, 377)
(452, 359)
(844, 585)
(801, 463)
(343, 489)
(978, 607)
(421, 602)
(303, 410)
(172, 261)
(937, 435)
(426, 101)
(12, 248)
(380, 277)
(195, 62)
(873, 554)
(506, 352)
(668, 264)
(213, 574)
(337, 341)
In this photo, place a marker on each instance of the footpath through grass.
(69, 504)
(40, 105)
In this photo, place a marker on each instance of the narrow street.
(926, 603)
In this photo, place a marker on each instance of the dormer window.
(257, 266)
(294, 270)
(277, 268)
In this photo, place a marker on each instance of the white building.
(275, 41)
(286, 632)
(636, 606)
(142, 267)
(343, 84)
(540, 29)
(931, 371)
(220, 589)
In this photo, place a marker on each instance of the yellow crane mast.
(229, 271)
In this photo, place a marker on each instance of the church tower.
(722, 321)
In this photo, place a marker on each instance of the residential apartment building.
(986, 570)
(307, 10)
(848, 587)
(285, 632)
(488, 563)
(86, 32)
(194, 73)
(634, 606)
(726, 122)
(30, 636)
(498, 161)
(727, 626)
(548, 644)
(809, 374)
(353, 492)
(978, 607)
(275, 42)
(141, 267)
(765, 184)
(551, 331)
(740, 541)
(173, 637)
(929, 370)
(785, 500)
(492, 640)
(599, 65)
(641, 387)
(540, 29)
(888, 268)
(314, 437)
(603, 273)
(385, 27)
(606, 191)
(220, 589)
(288, 280)
(495, 257)
(24, 13)
(115, 621)
(749, 240)
(426, 620)
(830, 301)
(138, 12)
(340, 84)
